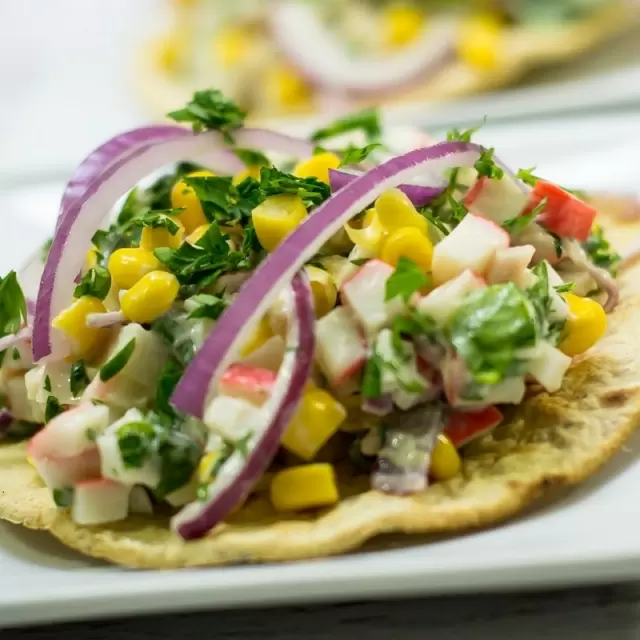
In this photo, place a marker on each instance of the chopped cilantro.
(600, 251)
(91, 434)
(354, 155)
(252, 158)
(169, 378)
(117, 362)
(95, 283)
(211, 110)
(526, 175)
(485, 166)
(158, 220)
(405, 280)
(157, 197)
(242, 445)
(134, 442)
(567, 287)
(78, 378)
(367, 121)
(372, 378)
(13, 307)
(515, 226)
(47, 384)
(209, 306)
(457, 135)
(170, 327)
(63, 497)
(179, 456)
(52, 409)
(557, 243)
(274, 182)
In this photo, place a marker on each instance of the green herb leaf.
(242, 444)
(169, 378)
(526, 175)
(52, 409)
(485, 166)
(63, 497)
(13, 307)
(179, 457)
(95, 283)
(372, 378)
(252, 158)
(405, 280)
(515, 226)
(457, 135)
(567, 287)
(211, 110)
(354, 155)
(274, 182)
(367, 120)
(488, 329)
(78, 378)
(209, 306)
(359, 261)
(135, 441)
(600, 251)
(117, 362)
(158, 220)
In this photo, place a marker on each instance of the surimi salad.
(226, 311)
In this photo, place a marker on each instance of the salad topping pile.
(261, 311)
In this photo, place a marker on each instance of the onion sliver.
(320, 56)
(259, 292)
(109, 319)
(239, 474)
(86, 215)
(6, 342)
(420, 196)
(274, 141)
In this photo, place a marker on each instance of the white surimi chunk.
(549, 367)
(510, 265)
(365, 295)
(232, 418)
(496, 200)
(443, 301)
(471, 245)
(100, 501)
(340, 349)
(21, 407)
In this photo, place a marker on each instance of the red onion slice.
(257, 294)
(420, 196)
(6, 342)
(239, 474)
(321, 57)
(86, 215)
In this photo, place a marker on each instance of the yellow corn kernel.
(73, 322)
(92, 258)
(197, 233)
(480, 42)
(407, 242)
(155, 238)
(286, 88)
(318, 166)
(30, 461)
(402, 25)
(395, 210)
(252, 171)
(261, 334)
(586, 324)
(369, 234)
(151, 297)
(445, 460)
(128, 266)
(205, 466)
(169, 51)
(317, 419)
(184, 197)
(232, 46)
(306, 487)
(323, 288)
(276, 217)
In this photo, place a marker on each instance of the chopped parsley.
(367, 121)
(405, 280)
(158, 220)
(63, 497)
(457, 135)
(600, 251)
(526, 175)
(52, 408)
(78, 378)
(209, 306)
(117, 362)
(13, 306)
(274, 182)
(252, 158)
(372, 378)
(211, 110)
(515, 226)
(486, 167)
(134, 440)
(95, 283)
(242, 444)
(354, 155)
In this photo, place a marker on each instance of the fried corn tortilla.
(552, 441)
(525, 49)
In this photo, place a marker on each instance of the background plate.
(586, 535)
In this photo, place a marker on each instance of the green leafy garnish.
(457, 135)
(490, 327)
(515, 226)
(134, 440)
(274, 182)
(372, 378)
(526, 175)
(209, 306)
(405, 280)
(600, 251)
(13, 307)
(179, 456)
(95, 283)
(367, 121)
(63, 497)
(47, 384)
(211, 110)
(52, 408)
(78, 378)
(252, 158)
(242, 444)
(354, 155)
(158, 220)
(117, 362)
(171, 328)
(486, 167)
(567, 287)
(169, 378)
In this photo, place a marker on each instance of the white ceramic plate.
(586, 535)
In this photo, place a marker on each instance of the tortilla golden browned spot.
(553, 441)
(525, 49)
